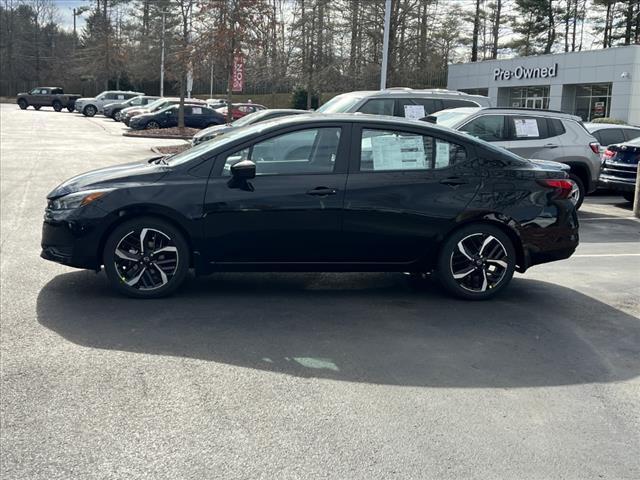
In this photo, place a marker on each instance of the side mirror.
(243, 170)
(430, 119)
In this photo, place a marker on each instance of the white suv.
(90, 106)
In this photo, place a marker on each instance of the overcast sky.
(65, 13)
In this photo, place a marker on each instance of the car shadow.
(371, 328)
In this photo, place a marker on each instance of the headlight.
(78, 199)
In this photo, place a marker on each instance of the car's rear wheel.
(146, 258)
(152, 125)
(476, 262)
(57, 106)
(71, 109)
(37, 107)
(23, 104)
(578, 192)
(89, 111)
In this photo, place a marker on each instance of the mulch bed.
(177, 133)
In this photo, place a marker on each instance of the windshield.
(167, 108)
(451, 118)
(157, 103)
(339, 104)
(250, 119)
(215, 142)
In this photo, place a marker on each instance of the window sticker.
(442, 154)
(415, 112)
(398, 152)
(526, 127)
(196, 110)
(120, 97)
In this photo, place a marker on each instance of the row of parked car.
(595, 154)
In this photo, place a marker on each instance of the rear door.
(405, 189)
(530, 137)
(291, 211)
(490, 128)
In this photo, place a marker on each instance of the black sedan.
(251, 119)
(317, 193)
(113, 109)
(620, 168)
(195, 116)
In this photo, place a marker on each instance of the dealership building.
(598, 83)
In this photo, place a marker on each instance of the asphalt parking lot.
(300, 376)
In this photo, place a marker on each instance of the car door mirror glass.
(243, 170)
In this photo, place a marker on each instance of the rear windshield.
(451, 118)
(339, 104)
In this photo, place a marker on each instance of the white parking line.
(587, 255)
(607, 218)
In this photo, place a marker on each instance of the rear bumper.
(617, 184)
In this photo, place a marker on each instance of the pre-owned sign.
(521, 72)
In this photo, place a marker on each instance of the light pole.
(385, 44)
(162, 58)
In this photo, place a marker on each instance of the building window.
(529, 97)
(593, 100)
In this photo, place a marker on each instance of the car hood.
(550, 165)
(109, 177)
(211, 130)
(85, 99)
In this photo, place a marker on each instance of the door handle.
(453, 181)
(322, 191)
(551, 145)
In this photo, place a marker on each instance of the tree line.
(315, 45)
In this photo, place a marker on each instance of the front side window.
(489, 128)
(378, 106)
(387, 150)
(136, 101)
(44, 91)
(302, 152)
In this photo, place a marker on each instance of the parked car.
(113, 109)
(90, 106)
(539, 134)
(239, 110)
(216, 102)
(620, 168)
(128, 113)
(340, 193)
(402, 102)
(610, 133)
(252, 118)
(47, 97)
(195, 116)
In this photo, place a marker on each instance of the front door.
(405, 190)
(291, 211)
(534, 102)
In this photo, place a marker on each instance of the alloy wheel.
(146, 259)
(152, 125)
(479, 263)
(575, 194)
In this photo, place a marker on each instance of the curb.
(161, 137)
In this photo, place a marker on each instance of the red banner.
(237, 74)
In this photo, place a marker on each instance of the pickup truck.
(47, 97)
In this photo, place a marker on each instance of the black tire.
(152, 125)
(628, 196)
(89, 111)
(57, 106)
(71, 108)
(582, 191)
(37, 107)
(146, 278)
(114, 115)
(23, 104)
(482, 272)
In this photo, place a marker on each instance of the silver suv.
(90, 106)
(402, 102)
(533, 134)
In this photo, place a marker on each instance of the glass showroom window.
(529, 97)
(593, 100)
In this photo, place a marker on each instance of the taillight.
(595, 147)
(609, 153)
(562, 186)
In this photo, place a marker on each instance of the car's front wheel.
(152, 125)
(476, 262)
(57, 106)
(89, 111)
(23, 104)
(146, 258)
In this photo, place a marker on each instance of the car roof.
(594, 127)
(512, 110)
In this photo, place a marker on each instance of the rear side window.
(556, 127)
(490, 128)
(527, 128)
(455, 103)
(609, 136)
(392, 150)
(378, 106)
(56, 91)
(431, 105)
(630, 134)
